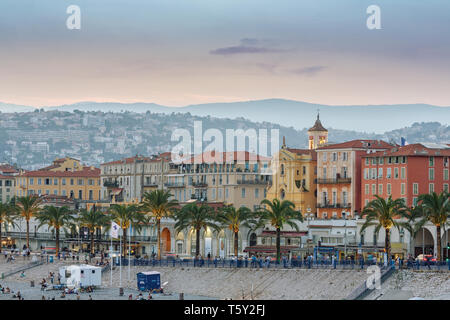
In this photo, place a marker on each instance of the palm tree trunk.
(0, 236)
(236, 243)
(158, 225)
(197, 243)
(278, 245)
(438, 234)
(387, 244)
(57, 241)
(124, 242)
(28, 234)
(92, 240)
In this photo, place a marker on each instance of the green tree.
(93, 219)
(278, 213)
(8, 215)
(28, 207)
(197, 217)
(232, 218)
(157, 204)
(385, 214)
(434, 208)
(127, 216)
(56, 218)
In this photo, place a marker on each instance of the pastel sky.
(180, 52)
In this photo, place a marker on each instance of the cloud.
(247, 45)
(309, 71)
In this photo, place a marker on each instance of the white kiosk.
(83, 275)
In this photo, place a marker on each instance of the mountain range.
(290, 113)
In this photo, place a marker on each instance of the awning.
(116, 191)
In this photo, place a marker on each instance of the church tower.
(317, 135)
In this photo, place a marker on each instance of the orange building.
(339, 176)
(405, 172)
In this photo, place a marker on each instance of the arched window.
(282, 169)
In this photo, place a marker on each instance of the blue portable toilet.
(147, 281)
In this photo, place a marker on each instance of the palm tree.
(126, 216)
(233, 219)
(92, 219)
(157, 204)
(197, 217)
(7, 216)
(28, 207)
(278, 214)
(385, 214)
(435, 208)
(57, 218)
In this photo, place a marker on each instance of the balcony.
(199, 184)
(257, 182)
(334, 181)
(150, 184)
(175, 184)
(111, 184)
(336, 205)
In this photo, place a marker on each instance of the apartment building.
(7, 182)
(405, 172)
(339, 176)
(66, 177)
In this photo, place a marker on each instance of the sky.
(181, 52)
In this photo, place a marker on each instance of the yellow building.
(66, 177)
(294, 178)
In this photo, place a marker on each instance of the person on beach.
(130, 297)
(90, 297)
(43, 298)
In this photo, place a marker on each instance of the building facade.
(339, 176)
(294, 178)
(7, 182)
(66, 177)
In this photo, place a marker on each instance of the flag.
(404, 142)
(114, 230)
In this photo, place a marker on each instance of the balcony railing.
(150, 184)
(199, 184)
(111, 184)
(337, 180)
(259, 182)
(175, 185)
(335, 205)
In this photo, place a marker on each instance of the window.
(380, 173)
(403, 173)
(388, 189)
(304, 170)
(226, 192)
(431, 174)
(324, 172)
(55, 182)
(445, 174)
(324, 159)
(380, 189)
(282, 169)
(91, 196)
(256, 193)
(381, 160)
(431, 161)
(415, 201)
(374, 188)
(334, 154)
(71, 182)
(39, 181)
(63, 181)
(366, 188)
(389, 172)
(367, 161)
(446, 187)
(31, 181)
(213, 194)
(374, 173)
(64, 192)
(48, 181)
(80, 194)
(55, 192)
(80, 182)
(395, 173)
(402, 187)
(415, 188)
(431, 188)
(243, 192)
(344, 156)
(366, 173)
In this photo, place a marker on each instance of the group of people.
(140, 296)
(7, 290)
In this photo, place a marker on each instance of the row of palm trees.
(393, 213)
(156, 205)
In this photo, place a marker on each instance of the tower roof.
(317, 125)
